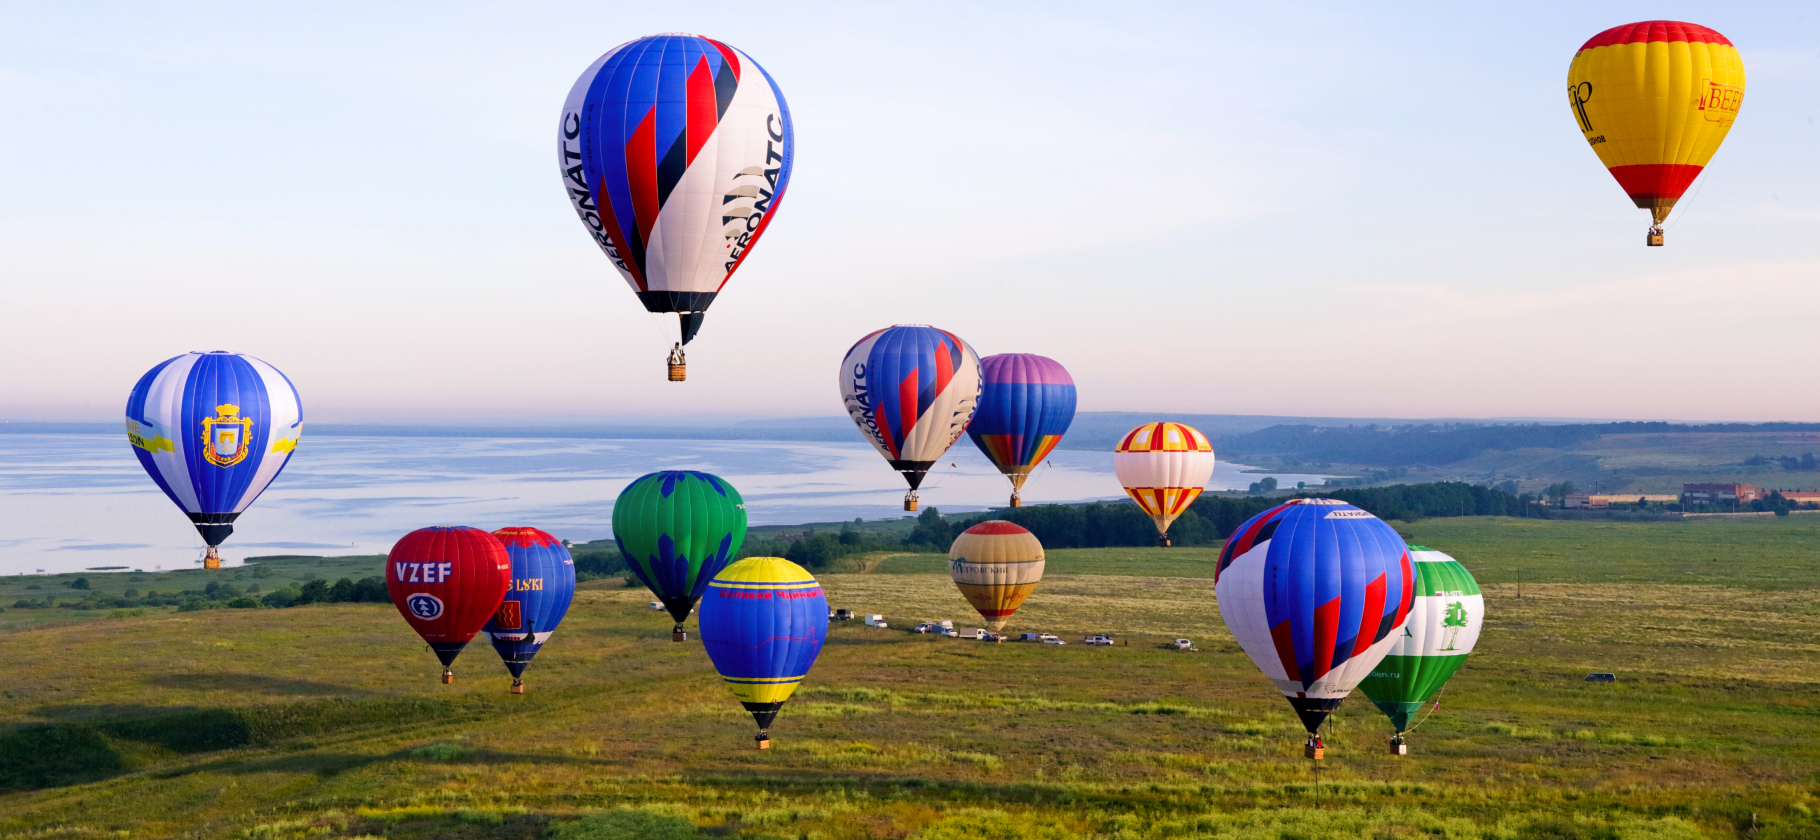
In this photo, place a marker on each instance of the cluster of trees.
(1410, 502)
(594, 562)
(1779, 505)
(1787, 462)
(1105, 524)
(218, 595)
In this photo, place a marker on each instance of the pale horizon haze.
(1239, 208)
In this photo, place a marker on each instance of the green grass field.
(329, 721)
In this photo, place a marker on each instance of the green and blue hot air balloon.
(677, 529)
(1443, 626)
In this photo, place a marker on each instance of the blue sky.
(1319, 209)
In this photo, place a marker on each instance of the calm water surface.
(72, 502)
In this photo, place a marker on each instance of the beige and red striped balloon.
(996, 564)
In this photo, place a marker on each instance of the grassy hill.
(329, 721)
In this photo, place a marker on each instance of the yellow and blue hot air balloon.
(1026, 405)
(213, 430)
(763, 621)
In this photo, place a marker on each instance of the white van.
(875, 620)
(977, 634)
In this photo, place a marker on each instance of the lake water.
(73, 502)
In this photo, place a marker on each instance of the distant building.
(1727, 494)
(1601, 500)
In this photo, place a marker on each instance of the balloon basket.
(1398, 746)
(518, 686)
(679, 373)
(1655, 236)
(1017, 502)
(1162, 542)
(448, 676)
(910, 503)
(763, 740)
(679, 636)
(1314, 749)
(212, 560)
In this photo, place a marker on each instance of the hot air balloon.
(448, 581)
(1316, 591)
(675, 151)
(997, 565)
(911, 390)
(1026, 404)
(543, 584)
(1443, 626)
(1655, 99)
(1164, 466)
(677, 529)
(763, 622)
(213, 430)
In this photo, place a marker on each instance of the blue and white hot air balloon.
(1316, 592)
(911, 389)
(213, 430)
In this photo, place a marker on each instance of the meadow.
(328, 720)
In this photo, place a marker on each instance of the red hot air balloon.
(447, 581)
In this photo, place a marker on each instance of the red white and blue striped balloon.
(1316, 592)
(213, 430)
(911, 389)
(675, 150)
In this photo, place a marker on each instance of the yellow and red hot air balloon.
(996, 564)
(1655, 99)
(1164, 466)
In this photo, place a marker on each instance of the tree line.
(1445, 443)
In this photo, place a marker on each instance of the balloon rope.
(1431, 709)
(1690, 200)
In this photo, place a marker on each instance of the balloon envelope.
(996, 565)
(1655, 99)
(1026, 404)
(447, 581)
(1164, 467)
(213, 430)
(911, 390)
(763, 622)
(542, 586)
(1316, 591)
(675, 151)
(677, 529)
(1443, 627)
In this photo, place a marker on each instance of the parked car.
(1045, 637)
(843, 615)
(1184, 644)
(1101, 639)
(875, 620)
(657, 605)
(946, 630)
(1051, 640)
(925, 627)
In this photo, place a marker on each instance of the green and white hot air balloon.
(1443, 626)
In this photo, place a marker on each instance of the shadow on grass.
(254, 684)
(100, 742)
